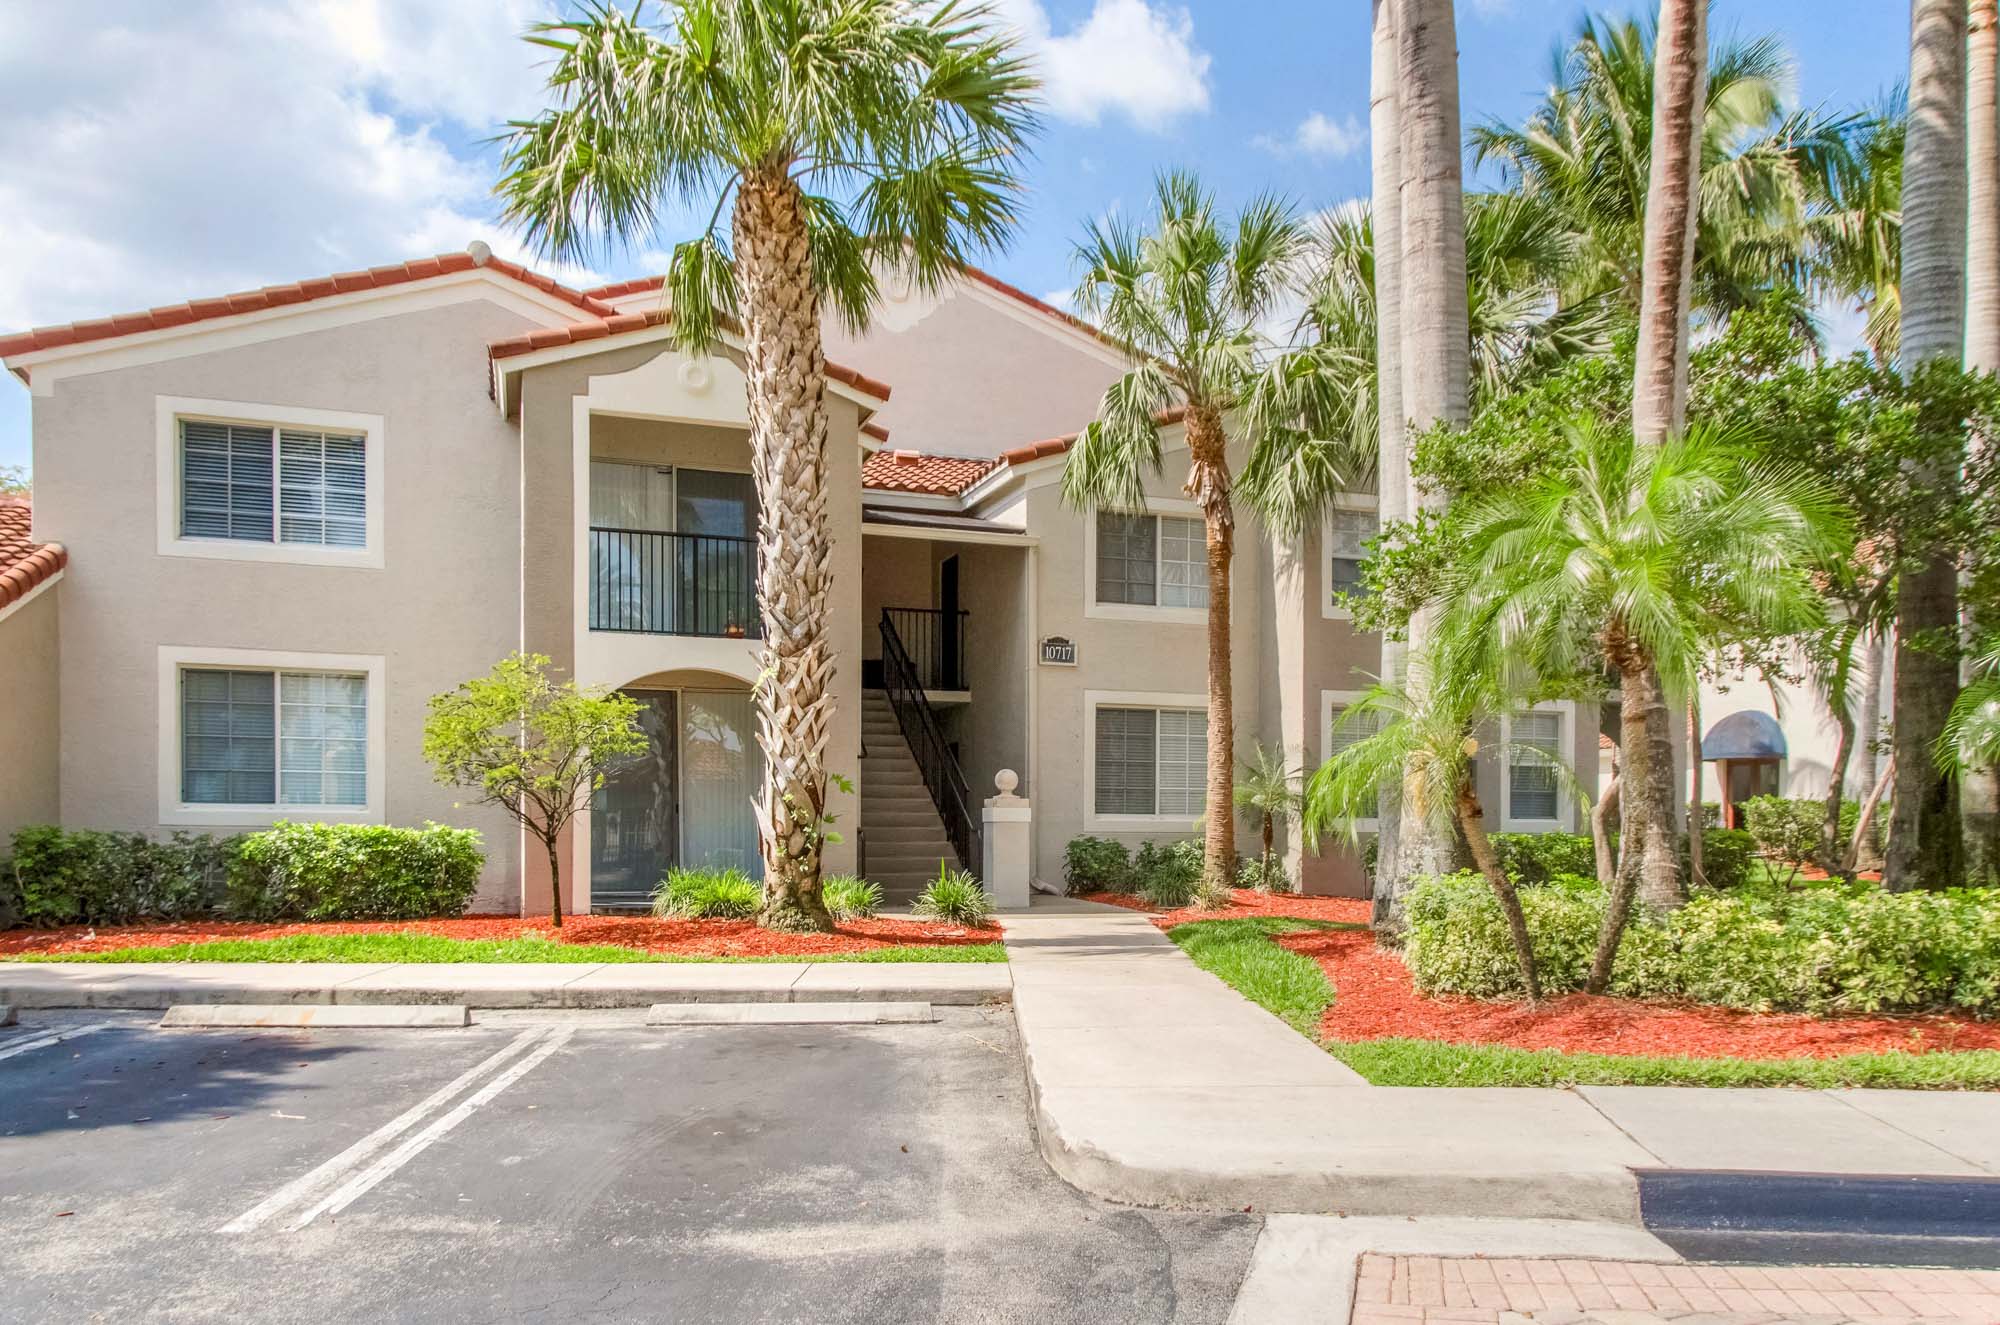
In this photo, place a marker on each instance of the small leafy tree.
(531, 746)
(15, 482)
(1268, 793)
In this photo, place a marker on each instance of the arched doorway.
(687, 799)
(1748, 750)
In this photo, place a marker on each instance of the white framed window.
(1350, 524)
(1147, 565)
(1532, 796)
(1337, 731)
(251, 736)
(1146, 758)
(256, 482)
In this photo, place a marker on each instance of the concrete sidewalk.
(1156, 1084)
(496, 985)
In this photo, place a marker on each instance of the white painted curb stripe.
(361, 1183)
(330, 1172)
(44, 1041)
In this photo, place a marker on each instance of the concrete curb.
(216, 1016)
(789, 1014)
(8, 1016)
(959, 984)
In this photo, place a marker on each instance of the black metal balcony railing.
(936, 647)
(646, 581)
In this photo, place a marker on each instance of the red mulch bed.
(692, 938)
(1376, 1001)
(1247, 902)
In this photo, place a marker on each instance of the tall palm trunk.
(1659, 376)
(1697, 873)
(1208, 485)
(1980, 800)
(1648, 864)
(1437, 347)
(1861, 770)
(1600, 827)
(1472, 822)
(1925, 847)
(1392, 469)
(787, 376)
(1832, 851)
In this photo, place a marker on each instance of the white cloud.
(1064, 299)
(1128, 57)
(177, 151)
(1319, 136)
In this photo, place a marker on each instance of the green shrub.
(954, 895)
(1838, 948)
(63, 877)
(1097, 864)
(698, 894)
(297, 871)
(1786, 830)
(1539, 857)
(1250, 874)
(1169, 873)
(849, 898)
(1727, 857)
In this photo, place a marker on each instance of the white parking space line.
(361, 1183)
(44, 1041)
(331, 1172)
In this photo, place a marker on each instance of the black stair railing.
(935, 641)
(942, 776)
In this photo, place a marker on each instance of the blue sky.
(154, 153)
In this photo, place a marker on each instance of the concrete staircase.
(905, 837)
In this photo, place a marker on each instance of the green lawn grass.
(431, 949)
(1292, 987)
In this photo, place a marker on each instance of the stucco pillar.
(1008, 844)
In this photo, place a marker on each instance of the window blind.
(1532, 782)
(1183, 562)
(323, 739)
(1183, 761)
(1347, 536)
(323, 494)
(273, 738)
(1126, 770)
(225, 481)
(1127, 555)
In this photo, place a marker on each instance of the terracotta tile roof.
(1605, 742)
(912, 471)
(875, 430)
(641, 284)
(23, 562)
(298, 292)
(615, 324)
(1022, 455)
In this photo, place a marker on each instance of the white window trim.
(1327, 700)
(170, 410)
(1145, 699)
(1565, 709)
(178, 813)
(1342, 501)
(1190, 616)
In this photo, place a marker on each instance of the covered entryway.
(1748, 750)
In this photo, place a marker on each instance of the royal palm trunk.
(1392, 470)
(786, 370)
(1680, 84)
(1436, 342)
(1980, 802)
(1925, 848)
(1208, 485)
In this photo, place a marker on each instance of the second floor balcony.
(648, 581)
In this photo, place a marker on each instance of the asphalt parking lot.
(582, 1167)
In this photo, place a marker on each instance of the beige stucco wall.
(975, 373)
(30, 691)
(444, 606)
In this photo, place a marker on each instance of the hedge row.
(1531, 858)
(58, 876)
(1831, 948)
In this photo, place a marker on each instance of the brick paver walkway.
(1406, 1290)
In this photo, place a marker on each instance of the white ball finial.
(1006, 780)
(480, 251)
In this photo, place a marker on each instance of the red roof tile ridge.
(168, 316)
(24, 564)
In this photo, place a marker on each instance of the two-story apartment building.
(294, 514)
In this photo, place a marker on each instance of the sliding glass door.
(721, 767)
(672, 551)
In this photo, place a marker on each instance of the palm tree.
(1853, 236)
(1424, 747)
(1384, 366)
(1187, 298)
(1980, 783)
(851, 134)
(1588, 146)
(1436, 350)
(1660, 364)
(1638, 558)
(1268, 794)
(1925, 849)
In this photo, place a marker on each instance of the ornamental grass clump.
(1170, 874)
(851, 898)
(692, 894)
(954, 895)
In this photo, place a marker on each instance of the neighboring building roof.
(24, 563)
(1605, 742)
(873, 515)
(1745, 735)
(614, 323)
(1022, 455)
(913, 471)
(169, 316)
